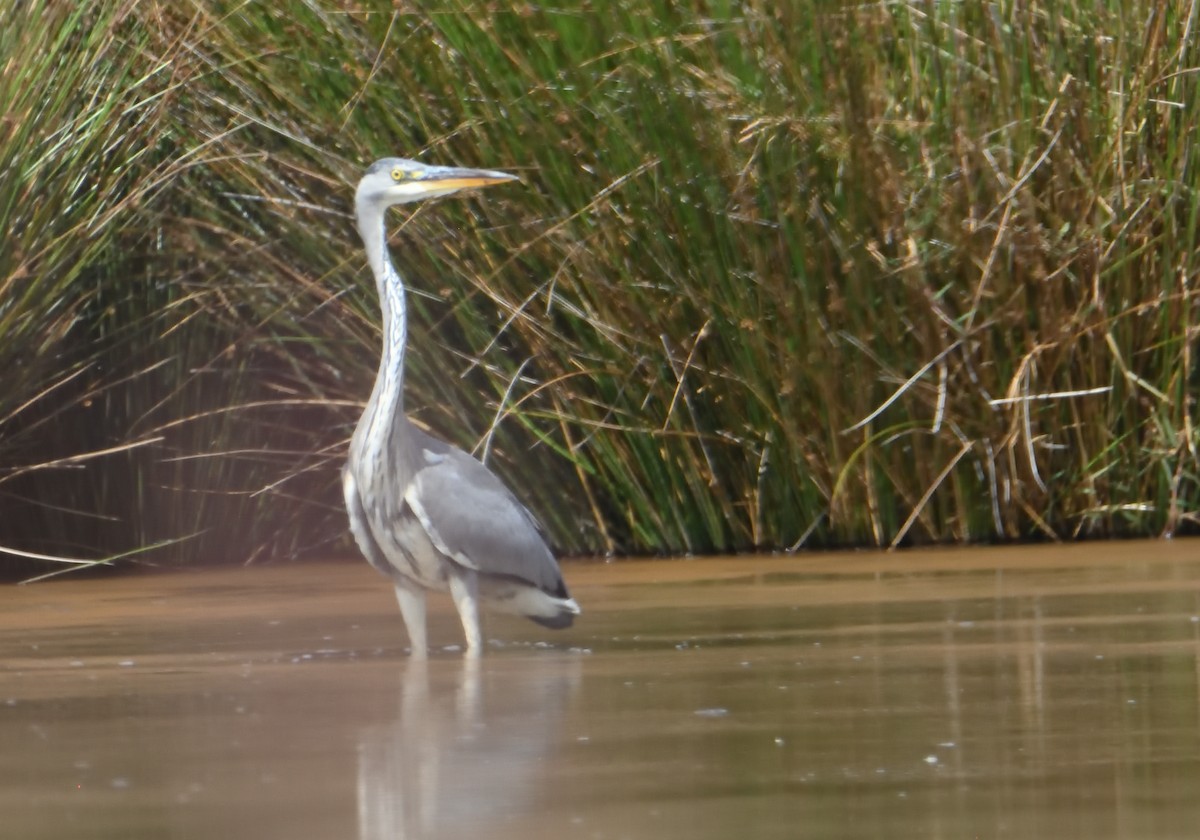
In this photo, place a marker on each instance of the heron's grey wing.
(473, 519)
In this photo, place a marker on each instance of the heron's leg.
(468, 696)
(464, 589)
(412, 610)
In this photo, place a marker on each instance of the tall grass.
(780, 274)
(77, 157)
(112, 419)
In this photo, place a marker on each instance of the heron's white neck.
(386, 407)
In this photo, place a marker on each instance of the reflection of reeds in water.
(962, 235)
(462, 753)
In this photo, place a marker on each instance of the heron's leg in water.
(464, 589)
(412, 609)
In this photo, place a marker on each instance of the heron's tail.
(554, 610)
(563, 618)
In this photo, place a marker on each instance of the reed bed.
(779, 275)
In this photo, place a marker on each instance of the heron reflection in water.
(424, 512)
(465, 745)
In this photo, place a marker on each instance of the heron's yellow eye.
(399, 174)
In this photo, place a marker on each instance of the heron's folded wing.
(474, 520)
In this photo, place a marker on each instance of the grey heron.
(424, 512)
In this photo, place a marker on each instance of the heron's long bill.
(464, 183)
(461, 179)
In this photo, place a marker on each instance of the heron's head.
(398, 181)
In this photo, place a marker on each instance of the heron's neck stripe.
(387, 401)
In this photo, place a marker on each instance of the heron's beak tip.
(502, 177)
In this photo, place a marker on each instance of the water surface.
(1029, 692)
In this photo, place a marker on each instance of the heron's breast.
(404, 542)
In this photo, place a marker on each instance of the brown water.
(1025, 693)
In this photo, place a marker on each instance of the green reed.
(779, 274)
(76, 157)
